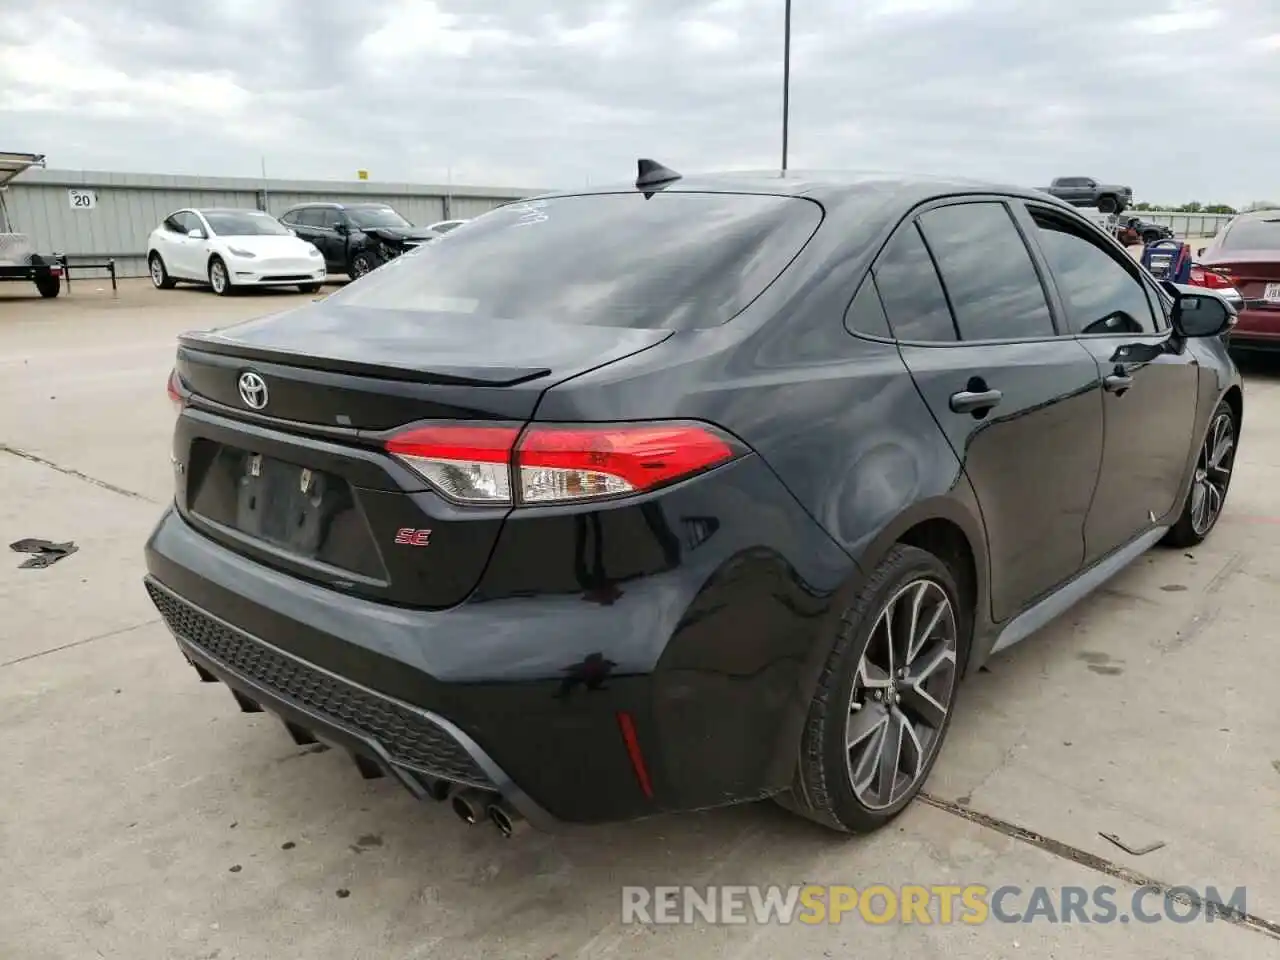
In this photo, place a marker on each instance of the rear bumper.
(422, 751)
(534, 690)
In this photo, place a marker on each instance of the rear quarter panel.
(837, 417)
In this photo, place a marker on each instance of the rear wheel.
(883, 704)
(1209, 483)
(159, 274)
(48, 286)
(219, 279)
(362, 263)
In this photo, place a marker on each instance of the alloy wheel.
(902, 694)
(157, 271)
(1213, 473)
(359, 267)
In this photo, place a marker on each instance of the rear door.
(1018, 403)
(1150, 381)
(309, 224)
(190, 253)
(336, 235)
(1073, 189)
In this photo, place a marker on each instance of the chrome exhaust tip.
(469, 804)
(507, 820)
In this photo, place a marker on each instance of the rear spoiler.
(461, 376)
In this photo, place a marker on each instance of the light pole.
(786, 83)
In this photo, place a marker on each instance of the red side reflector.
(628, 727)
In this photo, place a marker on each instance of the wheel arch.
(950, 527)
(1234, 398)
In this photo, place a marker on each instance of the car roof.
(1257, 215)
(829, 185)
(330, 205)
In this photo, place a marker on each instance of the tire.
(49, 287)
(1108, 204)
(854, 683)
(309, 287)
(1210, 481)
(1150, 237)
(361, 264)
(159, 273)
(219, 279)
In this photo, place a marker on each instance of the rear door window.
(910, 290)
(866, 313)
(1102, 294)
(673, 260)
(988, 273)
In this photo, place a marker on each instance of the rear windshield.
(1253, 235)
(673, 261)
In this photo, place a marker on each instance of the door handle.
(1117, 383)
(975, 401)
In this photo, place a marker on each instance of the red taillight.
(467, 464)
(175, 392)
(1210, 278)
(559, 463)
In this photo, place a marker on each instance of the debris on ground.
(44, 553)
(1135, 851)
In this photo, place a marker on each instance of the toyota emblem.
(253, 390)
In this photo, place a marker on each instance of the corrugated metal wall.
(129, 206)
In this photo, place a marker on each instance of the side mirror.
(195, 233)
(1200, 252)
(341, 229)
(1202, 315)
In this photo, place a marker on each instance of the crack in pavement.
(72, 472)
(1064, 851)
(79, 643)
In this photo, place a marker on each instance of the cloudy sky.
(1179, 98)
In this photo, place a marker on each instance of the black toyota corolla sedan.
(685, 493)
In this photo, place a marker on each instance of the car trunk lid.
(302, 480)
(1256, 275)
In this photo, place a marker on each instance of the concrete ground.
(143, 817)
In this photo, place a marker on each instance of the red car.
(1245, 257)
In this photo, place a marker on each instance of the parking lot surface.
(144, 817)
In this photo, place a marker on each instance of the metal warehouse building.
(91, 216)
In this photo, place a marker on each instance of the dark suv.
(686, 493)
(355, 237)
